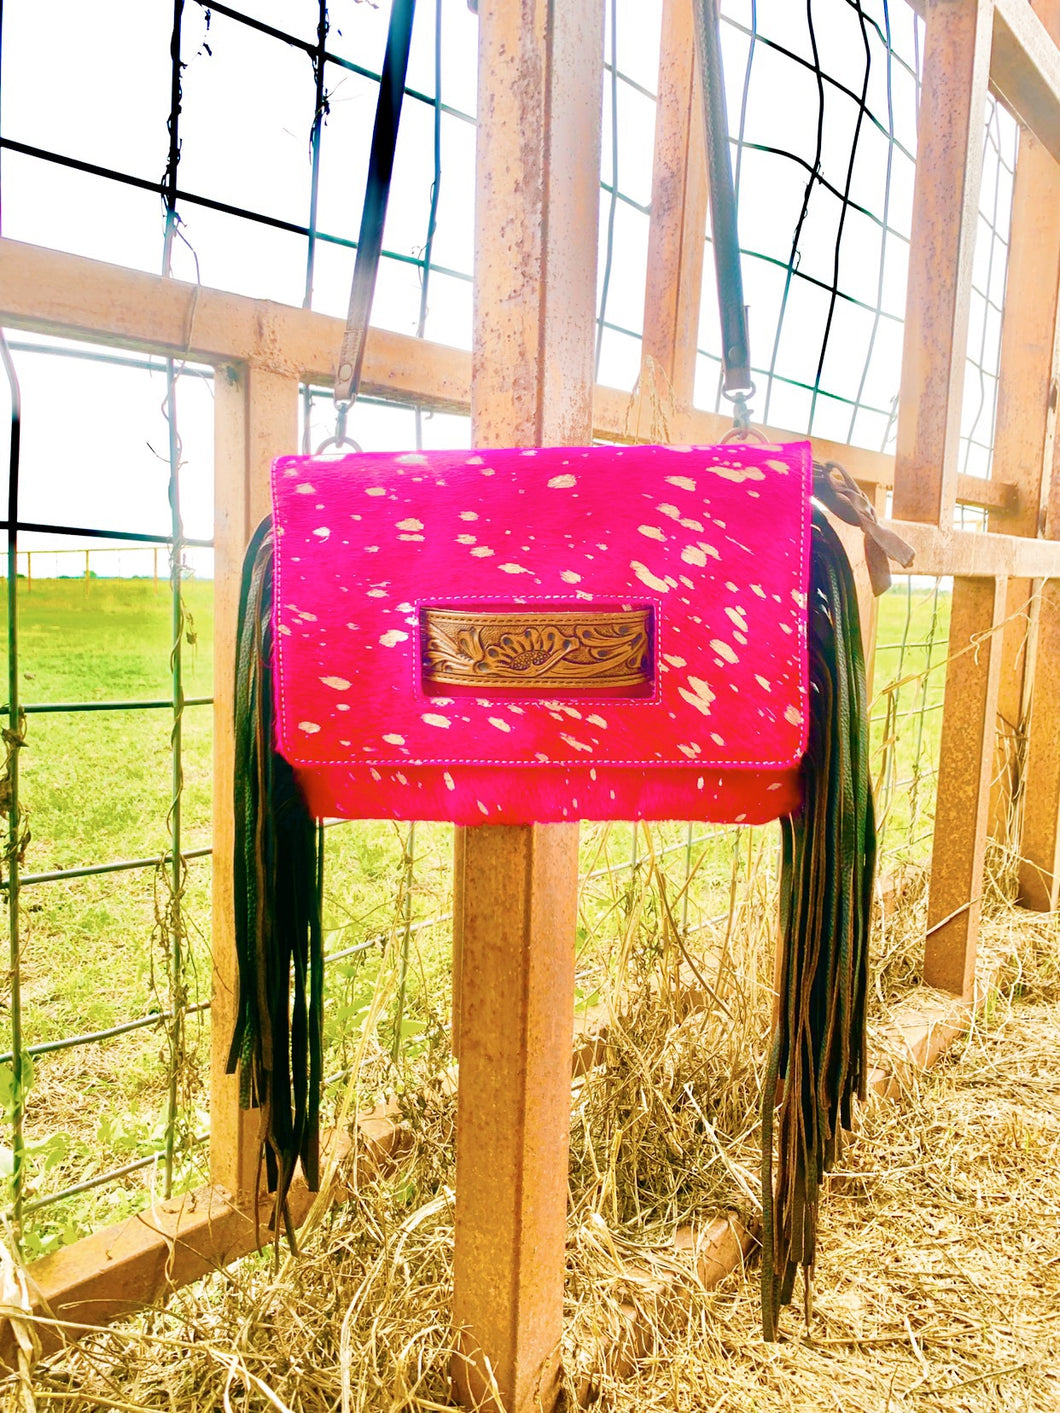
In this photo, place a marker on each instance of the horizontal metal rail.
(657, 853)
(409, 403)
(96, 1037)
(114, 1175)
(39, 527)
(38, 708)
(118, 360)
(365, 946)
(878, 716)
(119, 866)
(339, 1074)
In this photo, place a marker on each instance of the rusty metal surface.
(1026, 408)
(540, 74)
(513, 1116)
(537, 205)
(1025, 67)
(1039, 874)
(51, 291)
(678, 220)
(1023, 440)
(966, 758)
(1020, 611)
(945, 215)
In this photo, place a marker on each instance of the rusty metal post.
(1024, 435)
(966, 758)
(538, 166)
(945, 216)
(1039, 868)
(520, 912)
(957, 44)
(459, 838)
(676, 226)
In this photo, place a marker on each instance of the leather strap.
(837, 491)
(833, 486)
(376, 196)
(736, 355)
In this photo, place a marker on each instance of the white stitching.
(698, 765)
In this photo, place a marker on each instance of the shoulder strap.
(376, 196)
(736, 355)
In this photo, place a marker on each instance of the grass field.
(97, 787)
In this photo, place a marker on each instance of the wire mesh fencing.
(388, 927)
(825, 202)
(906, 720)
(245, 171)
(115, 793)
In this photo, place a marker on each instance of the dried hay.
(939, 1283)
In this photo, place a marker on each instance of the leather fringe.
(277, 1044)
(818, 1057)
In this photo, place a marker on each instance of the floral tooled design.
(562, 649)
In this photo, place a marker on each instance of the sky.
(95, 442)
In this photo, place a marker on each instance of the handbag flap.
(600, 606)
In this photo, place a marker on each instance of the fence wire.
(245, 171)
(825, 209)
(906, 718)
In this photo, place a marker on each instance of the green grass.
(97, 788)
(909, 682)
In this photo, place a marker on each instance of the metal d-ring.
(741, 417)
(741, 411)
(340, 439)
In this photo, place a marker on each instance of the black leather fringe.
(818, 1059)
(277, 1043)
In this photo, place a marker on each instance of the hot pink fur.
(715, 540)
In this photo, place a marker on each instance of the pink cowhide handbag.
(506, 637)
(514, 636)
